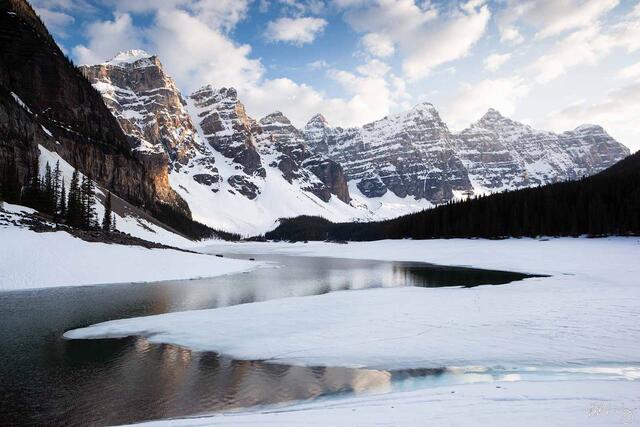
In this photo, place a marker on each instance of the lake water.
(48, 380)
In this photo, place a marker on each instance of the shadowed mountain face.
(46, 100)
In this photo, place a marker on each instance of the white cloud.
(496, 60)
(297, 31)
(473, 100)
(373, 68)
(629, 72)
(106, 38)
(218, 14)
(196, 54)
(587, 46)
(424, 41)
(378, 45)
(318, 65)
(618, 113)
(550, 17)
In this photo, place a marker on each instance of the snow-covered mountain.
(414, 153)
(241, 174)
(236, 173)
(500, 153)
(410, 154)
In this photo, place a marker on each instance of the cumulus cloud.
(473, 100)
(496, 60)
(106, 38)
(587, 46)
(424, 41)
(218, 14)
(618, 112)
(378, 45)
(550, 17)
(297, 31)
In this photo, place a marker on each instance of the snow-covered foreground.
(525, 403)
(583, 318)
(31, 260)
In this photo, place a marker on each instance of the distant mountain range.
(205, 158)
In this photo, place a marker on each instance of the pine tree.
(49, 197)
(74, 204)
(106, 220)
(88, 194)
(113, 223)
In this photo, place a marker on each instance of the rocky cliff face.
(254, 146)
(409, 154)
(500, 153)
(147, 104)
(71, 116)
(282, 145)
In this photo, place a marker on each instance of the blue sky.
(554, 64)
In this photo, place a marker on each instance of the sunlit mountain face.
(552, 65)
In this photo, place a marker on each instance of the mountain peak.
(275, 117)
(129, 57)
(318, 119)
(587, 127)
(492, 114)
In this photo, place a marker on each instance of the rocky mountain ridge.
(414, 154)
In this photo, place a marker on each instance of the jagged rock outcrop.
(283, 146)
(227, 128)
(147, 104)
(55, 96)
(410, 154)
(500, 153)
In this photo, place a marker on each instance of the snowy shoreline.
(30, 260)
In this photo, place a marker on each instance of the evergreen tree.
(106, 220)
(32, 191)
(88, 194)
(74, 203)
(113, 223)
(48, 205)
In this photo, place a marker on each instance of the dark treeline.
(605, 204)
(188, 227)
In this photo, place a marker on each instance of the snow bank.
(611, 258)
(585, 314)
(40, 260)
(566, 403)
